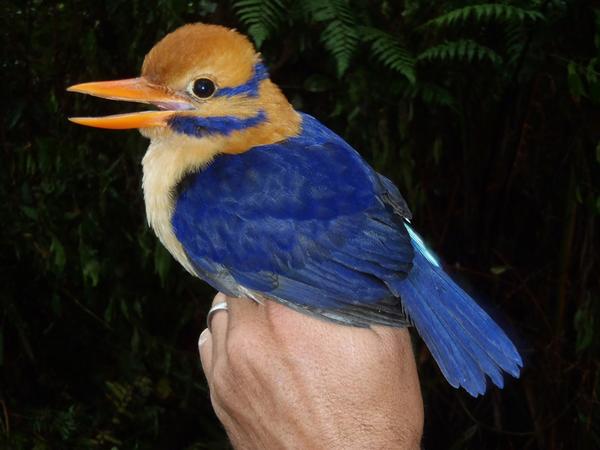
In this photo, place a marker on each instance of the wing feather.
(304, 222)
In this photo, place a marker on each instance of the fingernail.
(220, 297)
(203, 337)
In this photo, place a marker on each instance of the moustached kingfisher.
(262, 201)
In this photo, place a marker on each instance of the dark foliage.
(485, 115)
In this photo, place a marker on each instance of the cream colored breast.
(164, 166)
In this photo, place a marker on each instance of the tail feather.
(457, 365)
(465, 342)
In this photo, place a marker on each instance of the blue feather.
(307, 222)
(465, 342)
(199, 126)
(250, 88)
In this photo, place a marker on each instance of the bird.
(265, 202)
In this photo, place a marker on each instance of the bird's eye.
(203, 88)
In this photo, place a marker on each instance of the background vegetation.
(485, 115)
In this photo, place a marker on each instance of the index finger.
(242, 309)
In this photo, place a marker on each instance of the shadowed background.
(485, 115)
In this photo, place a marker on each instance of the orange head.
(211, 88)
(214, 96)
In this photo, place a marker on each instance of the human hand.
(282, 379)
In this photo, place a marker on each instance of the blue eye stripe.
(224, 125)
(207, 126)
(250, 88)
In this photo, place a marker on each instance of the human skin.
(280, 379)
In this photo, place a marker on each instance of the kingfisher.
(264, 202)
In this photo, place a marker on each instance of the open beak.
(133, 90)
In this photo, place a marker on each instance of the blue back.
(305, 220)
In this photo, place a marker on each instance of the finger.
(219, 319)
(242, 309)
(218, 327)
(205, 349)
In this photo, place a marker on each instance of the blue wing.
(305, 221)
(308, 223)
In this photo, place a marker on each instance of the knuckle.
(221, 377)
(219, 408)
(225, 388)
(240, 349)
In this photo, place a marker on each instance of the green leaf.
(162, 262)
(390, 52)
(462, 49)
(163, 388)
(30, 212)
(263, 17)
(432, 94)
(340, 35)
(585, 326)
(498, 270)
(135, 340)
(486, 12)
(91, 272)
(56, 304)
(58, 254)
(15, 114)
(574, 80)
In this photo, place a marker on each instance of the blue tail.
(465, 342)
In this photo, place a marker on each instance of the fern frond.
(262, 17)
(463, 49)
(340, 35)
(486, 12)
(431, 94)
(390, 52)
(515, 39)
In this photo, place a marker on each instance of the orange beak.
(134, 90)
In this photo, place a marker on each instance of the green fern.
(340, 35)
(486, 12)
(463, 49)
(431, 94)
(390, 52)
(263, 17)
(514, 42)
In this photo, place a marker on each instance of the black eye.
(203, 88)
